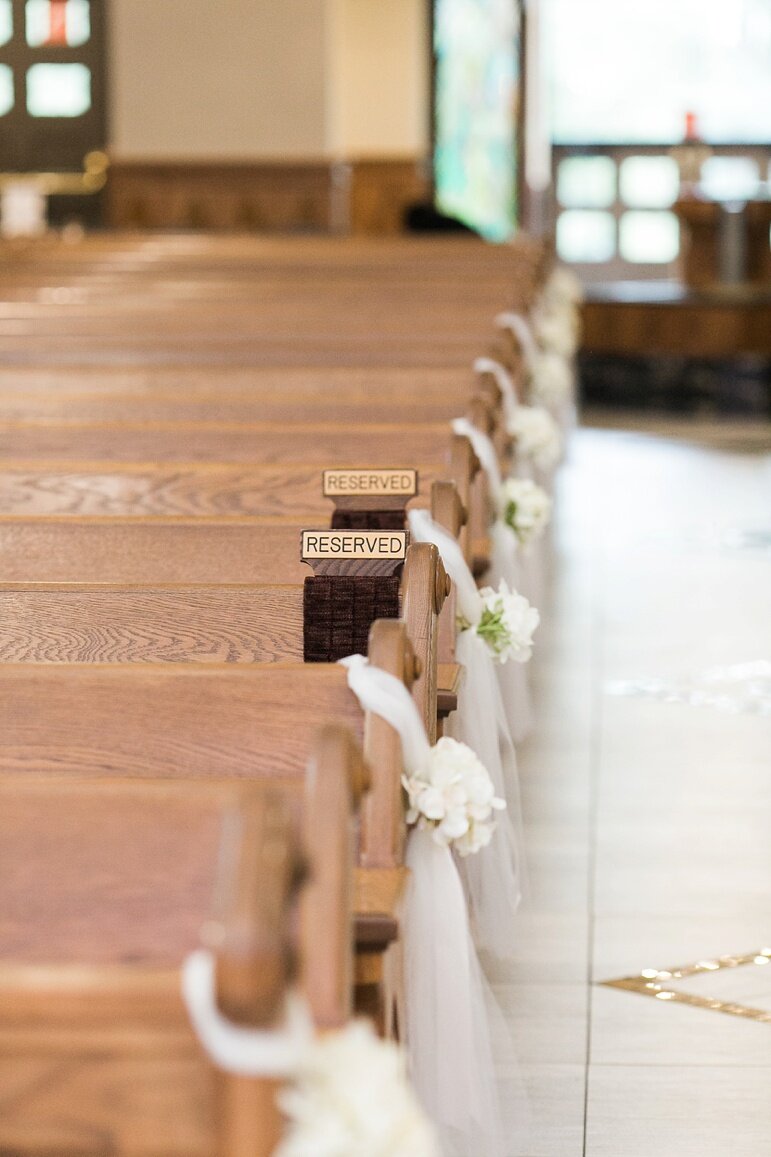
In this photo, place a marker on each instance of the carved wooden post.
(260, 870)
(336, 780)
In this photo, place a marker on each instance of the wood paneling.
(366, 196)
(689, 325)
(381, 191)
(220, 196)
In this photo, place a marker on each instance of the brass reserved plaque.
(348, 483)
(354, 544)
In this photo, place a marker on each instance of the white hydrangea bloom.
(537, 435)
(525, 508)
(558, 331)
(551, 377)
(454, 796)
(507, 623)
(352, 1098)
(563, 286)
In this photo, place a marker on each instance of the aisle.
(648, 817)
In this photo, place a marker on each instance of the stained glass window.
(476, 45)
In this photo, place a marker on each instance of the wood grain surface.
(93, 624)
(129, 490)
(182, 721)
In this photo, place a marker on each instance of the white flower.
(537, 435)
(453, 796)
(507, 623)
(525, 508)
(551, 380)
(563, 286)
(352, 1099)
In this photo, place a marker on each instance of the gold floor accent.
(656, 982)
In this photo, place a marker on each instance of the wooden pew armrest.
(448, 680)
(378, 898)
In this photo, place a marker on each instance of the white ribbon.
(424, 529)
(484, 450)
(522, 330)
(503, 381)
(247, 1052)
(508, 562)
(512, 677)
(387, 696)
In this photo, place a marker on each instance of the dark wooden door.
(52, 75)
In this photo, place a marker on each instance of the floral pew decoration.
(495, 637)
(549, 339)
(344, 1092)
(521, 516)
(456, 818)
(538, 441)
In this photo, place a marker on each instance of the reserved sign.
(354, 544)
(402, 483)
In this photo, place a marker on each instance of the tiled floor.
(648, 822)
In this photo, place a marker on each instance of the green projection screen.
(476, 98)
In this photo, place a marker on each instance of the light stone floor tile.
(624, 945)
(555, 1096)
(629, 1029)
(648, 824)
(552, 949)
(548, 1021)
(661, 1111)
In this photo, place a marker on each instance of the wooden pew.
(97, 622)
(220, 723)
(97, 1052)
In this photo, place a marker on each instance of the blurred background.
(638, 137)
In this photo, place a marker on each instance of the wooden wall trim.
(361, 196)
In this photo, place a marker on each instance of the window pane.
(649, 182)
(624, 71)
(652, 238)
(730, 178)
(58, 23)
(6, 21)
(587, 182)
(6, 89)
(58, 90)
(583, 235)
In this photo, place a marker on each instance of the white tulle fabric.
(485, 452)
(519, 325)
(503, 381)
(447, 1006)
(505, 562)
(482, 721)
(247, 1052)
(493, 877)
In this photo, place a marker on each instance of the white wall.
(259, 79)
(220, 79)
(378, 78)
